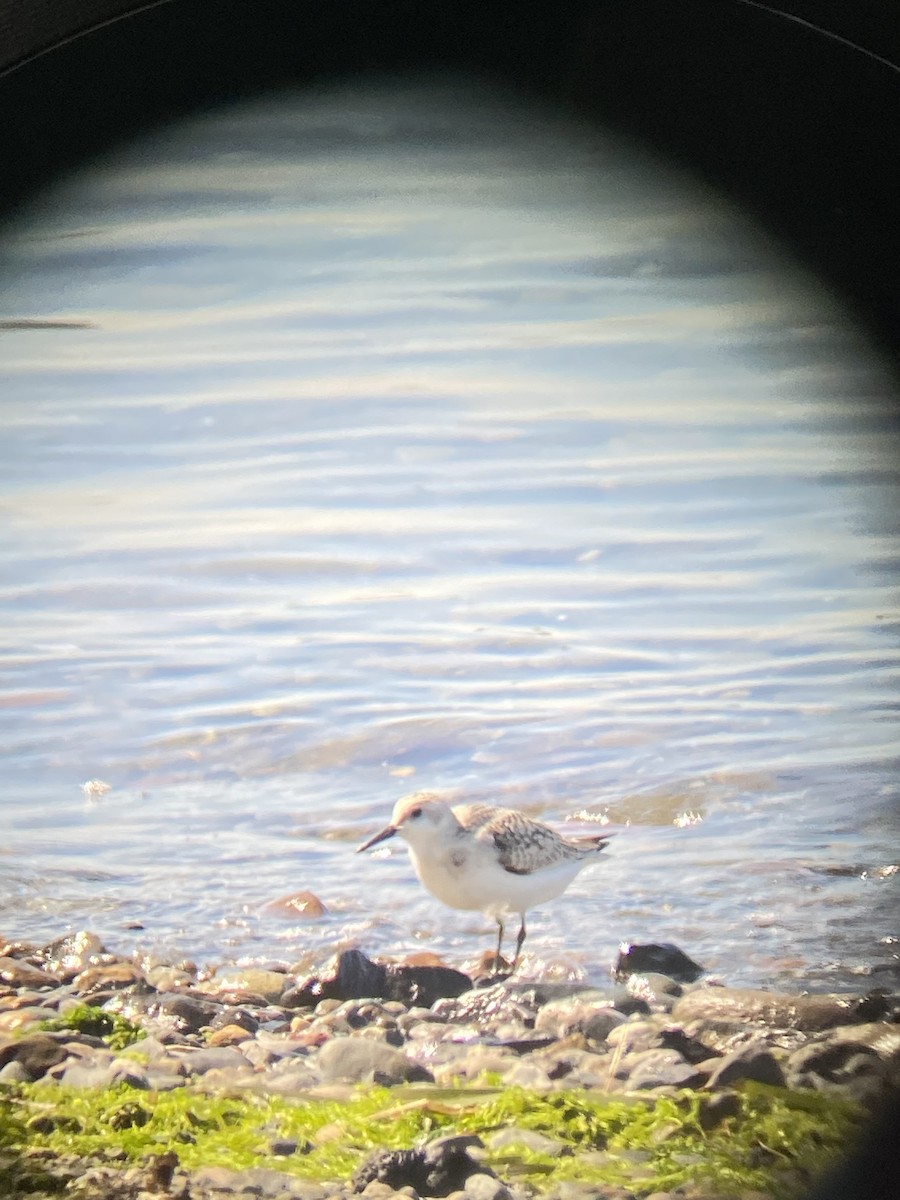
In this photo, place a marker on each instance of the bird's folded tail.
(595, 841)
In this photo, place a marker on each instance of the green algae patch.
(764, 1139)
(117, 1031)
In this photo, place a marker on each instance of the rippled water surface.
(391, 437)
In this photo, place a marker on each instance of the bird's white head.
(420, 819)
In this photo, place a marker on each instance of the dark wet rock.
(35, 1053)
(53, 1122)
(442, 1167)
(748, 1006)
(129, 1115)
(659, 958)
(692, 1049)
(425, 985)
(754, 1060)
(301, 995)
(284, 1147)
(360, 1059)
(715, 1109)
(356, 977)
(235, 1016)
(359, 1014)
(161, 1170)
(658, 1068)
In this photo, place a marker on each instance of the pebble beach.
(413, 1078)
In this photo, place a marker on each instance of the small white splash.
(95, 788)
(764, 920)
(594, 818)
(683, 820)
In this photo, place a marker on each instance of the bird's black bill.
(379, 837)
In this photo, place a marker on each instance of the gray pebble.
(486, 1187)
(563, 1017)
(213, 1058)
(358, 1060)
(530, 1139)
(14, 1072)
(528, 1075)
(657, 1068)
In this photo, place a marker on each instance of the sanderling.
(493, 860)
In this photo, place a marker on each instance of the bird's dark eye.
(416, 812)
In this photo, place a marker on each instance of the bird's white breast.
(467, 875)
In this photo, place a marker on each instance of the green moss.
(773, 1140)
(117, 1031)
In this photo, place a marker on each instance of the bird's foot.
(491, 968)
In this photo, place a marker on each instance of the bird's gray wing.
(524, 845)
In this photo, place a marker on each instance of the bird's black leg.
(497, 958)
(519, 940)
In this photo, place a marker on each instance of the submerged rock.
(302, 905)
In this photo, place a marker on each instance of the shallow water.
(394, 436)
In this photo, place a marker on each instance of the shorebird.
(491, 860)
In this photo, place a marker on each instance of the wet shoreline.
(76, 1019)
